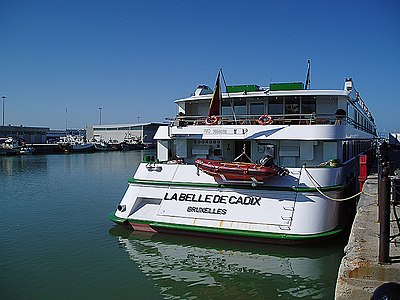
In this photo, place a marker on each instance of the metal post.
(384, 214)
(4, 100)
(100, 108)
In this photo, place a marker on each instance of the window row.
(274, 106)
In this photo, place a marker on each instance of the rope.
(371, 195)
(317, 187)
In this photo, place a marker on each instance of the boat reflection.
(195, 268)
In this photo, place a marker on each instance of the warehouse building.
(30, 135)
(120, 132)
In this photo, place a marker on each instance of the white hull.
(178, 197)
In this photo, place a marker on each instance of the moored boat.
(9, 146)
(105, 146)
(76, 144)
(196, 187)
(132, 143)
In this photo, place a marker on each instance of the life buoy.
(265, 120)
(212, 120)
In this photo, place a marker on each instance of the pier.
(372, 255)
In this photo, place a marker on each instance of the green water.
(57, 243)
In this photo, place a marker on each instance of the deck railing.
(290, 119)
(277, 119)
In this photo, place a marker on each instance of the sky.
(60, 61)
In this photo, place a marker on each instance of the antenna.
(308, 76)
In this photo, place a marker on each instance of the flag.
(215, 104)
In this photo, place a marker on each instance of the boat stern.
(117, 220)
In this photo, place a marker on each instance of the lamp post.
(4, 100)
(100, 108)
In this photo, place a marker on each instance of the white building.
(119, 132)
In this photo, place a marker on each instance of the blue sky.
(133, 58)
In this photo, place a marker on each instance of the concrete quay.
(360, 272)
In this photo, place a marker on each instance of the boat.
(243, 172)
(105, 146)
(131, 142)
(76, 144)
(315, 136)
(26, 150)
(9, 146)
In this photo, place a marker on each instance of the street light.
(100, 108)
(4, 100)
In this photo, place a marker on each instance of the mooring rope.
(318, 186)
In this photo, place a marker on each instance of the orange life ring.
(212, 120)
(265, 120)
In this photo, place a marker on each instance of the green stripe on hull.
(215, 185)
(231, 232)
(115, 219)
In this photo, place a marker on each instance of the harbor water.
(57, 243)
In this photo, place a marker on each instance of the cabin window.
(256, 109)
(308, 105)
(292, 105)
(327, 105)
(275, 106)
(226, 107)
(240, 107)
(329, 151)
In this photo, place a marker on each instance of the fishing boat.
(196, 185)
(105, 146)
(131, 142)
(9, 146)
(76, 144)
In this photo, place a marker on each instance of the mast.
(308, 76)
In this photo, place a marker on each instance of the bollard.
(384, 214)
(363, 162)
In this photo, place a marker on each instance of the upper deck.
(283, 104)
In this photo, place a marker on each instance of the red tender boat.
(237, 171)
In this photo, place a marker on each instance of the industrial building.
(119, 132)
(30, 135)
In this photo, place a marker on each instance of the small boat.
(132, 143)
(9, 146)
(26, 150)
(76, 144)
(104, 146)
(240, 171)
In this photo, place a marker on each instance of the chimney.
(348, 84)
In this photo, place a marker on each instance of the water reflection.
(14, 165)
(195, 268)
